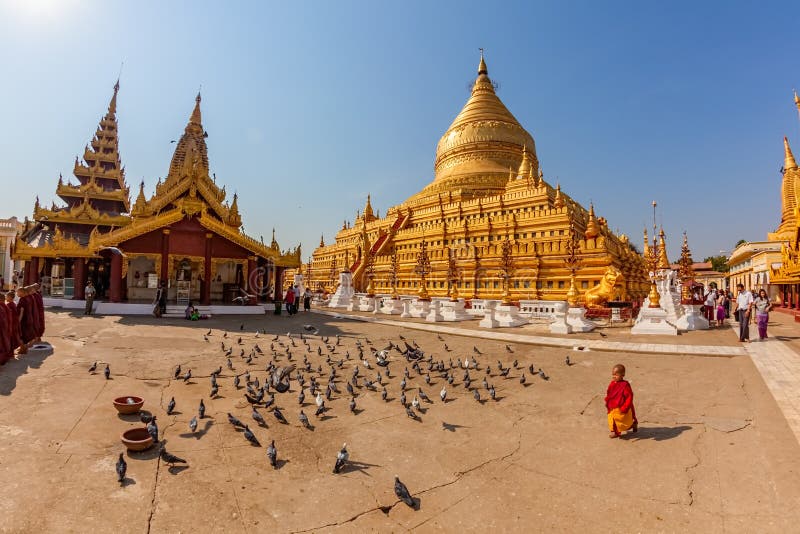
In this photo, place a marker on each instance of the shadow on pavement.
(13, 369)
(658, 433)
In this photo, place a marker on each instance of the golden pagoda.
(488, 195)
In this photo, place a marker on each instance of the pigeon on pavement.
(341, 458)
(93, 368)
(402, 493)
(171, 406)
(107, 372)
(249, 436)
(122, 468)
(193, 424)
(272, 454)
(170, 458)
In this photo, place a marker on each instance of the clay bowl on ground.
(137, 439)
(129, 404)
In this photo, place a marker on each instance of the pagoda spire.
(663, 261)
(140, 206)
(234, 218)
(524, 167)
(592, 228)
(112, 106)
(685, 271)
(322, 240)
(558, 203)
(646, 249)
(368, 213)
(482, 66)
(196, 117)
(789, 161)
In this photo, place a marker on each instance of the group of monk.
(21, 322)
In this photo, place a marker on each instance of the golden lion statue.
(598, 295)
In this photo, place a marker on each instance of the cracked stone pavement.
(713, 453)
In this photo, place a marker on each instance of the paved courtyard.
(714, 452)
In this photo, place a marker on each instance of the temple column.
(79, 274)
(206, 296)
(165, 256)
(115, 291)
(251, 275)
(32, 273)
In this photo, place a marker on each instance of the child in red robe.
(16, 340)
(619, 404)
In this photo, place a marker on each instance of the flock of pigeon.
(368, 370)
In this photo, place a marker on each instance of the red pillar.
(32, 273)
(115, 291)
(251, 275)
(79, 274)
(165, 255)
(206, 300)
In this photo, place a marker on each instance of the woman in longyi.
(619, 404)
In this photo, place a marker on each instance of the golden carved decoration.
(600, 294)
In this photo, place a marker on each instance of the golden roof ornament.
(663, 261)
(558, 203)
(140, 207)
(592, 228)
(234, 218)
(789, 161)
(524, 167)
(368, 214)
(322, 240)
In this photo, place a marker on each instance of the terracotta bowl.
(126, 407)
(137, 439)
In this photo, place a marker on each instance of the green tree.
(718, 263)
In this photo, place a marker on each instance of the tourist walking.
(744, 302)
(619, 404)
(88, 293)
(297, 297)
(721, 308)
(762, 306)
(307, 300)
(710, 305)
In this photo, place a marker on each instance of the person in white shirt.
(744, 302)
(89, 293)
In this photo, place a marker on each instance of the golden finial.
(525, 166)
(663, 261)
(322, 240)
(558, 203)
(482, 65)
(196, 116)
(368, 214)
(788, 162)
(646, 252)
(592, 228)
(112, 106)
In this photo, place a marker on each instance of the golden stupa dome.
(483, 142)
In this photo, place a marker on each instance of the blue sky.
(309, 106)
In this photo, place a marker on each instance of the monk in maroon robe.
(16, 340)
(619, 404)
(36, 293)
(27, 317)
(6, 349)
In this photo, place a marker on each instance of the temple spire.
(196, 117)
(558, 203)
(592, 228)
(234, 219)
(482, 66)
(112, 106)
(789, 161)
(525, 166)
(663, 261)
(368, 213)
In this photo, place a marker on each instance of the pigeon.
(476, 395)
(410, 412)
(353, 405)
(205, 338)
(311, 329)
(145, 417)
(443, 394)
(257, 417)
(214, 391)
(509, 349)
(403, 398)
(320, 409)
(566, 361)
(279, 416)
(177, 372)
(217, 372)
(122, 467)
(249, 436)
(201, 409)
(304, 419)
(225, 335)
(209, 332)
(423, 396)
(492, 393)
(171, 406)
(415, 403)
(319, 400)
(193, 424)
(475, 350)
(236, 381)
(542, 375)
(522, 379)
(272, 454)
(515, 364)
(402, 493)
(384, 394)
(230, 364)
(341, 458)
(152, 429)
(170, 458)
(187, 376)
(107, 372)
(93, 368)
(301, 397)
(234, 421)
